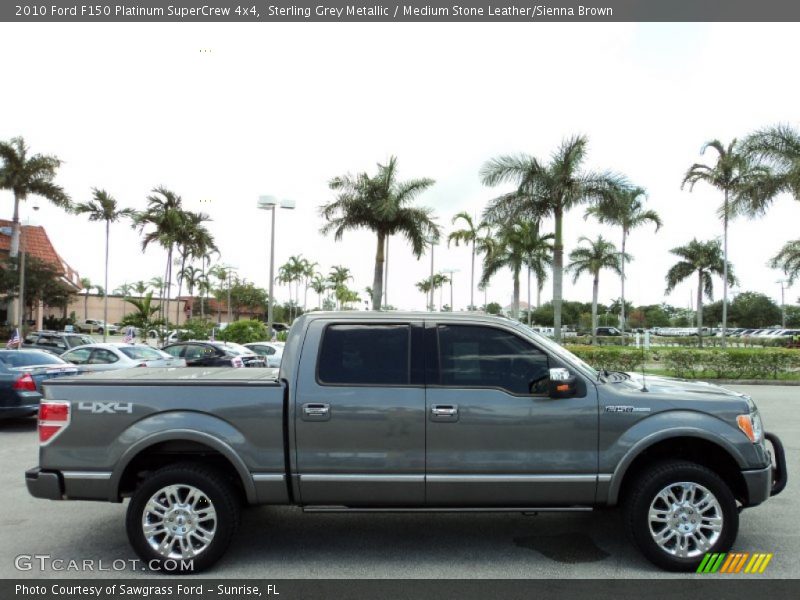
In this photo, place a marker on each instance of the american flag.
(15, 340)
(130, 333)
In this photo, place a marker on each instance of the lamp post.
(431, 305)
(450, 272)
(783, 305)
(270, 203)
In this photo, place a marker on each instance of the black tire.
(644, 490)
(219, 492)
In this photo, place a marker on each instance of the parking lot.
(285, 543)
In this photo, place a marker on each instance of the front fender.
(180, 426)
(619, 456)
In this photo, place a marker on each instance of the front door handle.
(444, 412)
(316, 411)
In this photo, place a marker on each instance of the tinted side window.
(365, 355)
(487, 357)
(79, 356)
(174, 351)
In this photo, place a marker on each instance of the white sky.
(281, 108)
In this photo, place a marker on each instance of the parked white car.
(112, 356)
(272, 351)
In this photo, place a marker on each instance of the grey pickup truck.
(406, 412)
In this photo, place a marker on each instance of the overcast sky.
(281, 108)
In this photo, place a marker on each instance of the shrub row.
(689, 341)
(732, 363)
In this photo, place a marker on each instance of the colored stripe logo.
(735, 562)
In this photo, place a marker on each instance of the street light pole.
(431, 279)
(783, 305)
(271, 203)
(450, 272)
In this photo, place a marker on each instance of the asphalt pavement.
(286, 543)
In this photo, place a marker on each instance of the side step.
(454, 509)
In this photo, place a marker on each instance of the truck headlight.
(751, 426)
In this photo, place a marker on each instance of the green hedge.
(733, 363)
(689, 341)
(613, 358)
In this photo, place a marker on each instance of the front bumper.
(769, 481)
(44, 484)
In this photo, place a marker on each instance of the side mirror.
(563, 384)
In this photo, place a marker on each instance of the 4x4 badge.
(97, 408)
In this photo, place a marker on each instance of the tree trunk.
(725, 270)
(180, 287)
(386, 275)
(700, 308)
(558, 268)
(529, 295)
(622, 279)
(515, 307)
(13, 253)
(472, 280)
(86, 305)
(105, 289)
(377, 281)
(595, 289)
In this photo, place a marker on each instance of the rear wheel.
(676, 512)
(182, 518)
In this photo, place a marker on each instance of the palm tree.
(788, 260)
(192, 239)
(598, 255)
(626, 210)
(538, 257)
(164, 215)
(740, 180)
(319, 285)
(545, 190)
(309, 270)
(424, 286)
(192, 275)
(140, 287)
(469, 234)
(103, 207)
(125, 291)
(222, 274)
(380, 204)
(339, 276)
(438, 283)
(778, 148)
(143, 317)
(705, 259)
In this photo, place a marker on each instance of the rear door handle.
(444, 412)
(315, 411)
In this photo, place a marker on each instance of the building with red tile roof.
(34, 241)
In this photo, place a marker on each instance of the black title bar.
(407, 11)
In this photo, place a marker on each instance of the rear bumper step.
(44, 484)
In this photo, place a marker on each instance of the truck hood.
(667, 386)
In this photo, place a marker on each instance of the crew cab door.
(494, 436)
(359, 414)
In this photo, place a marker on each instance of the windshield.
(143, 353)
(17, 358)
(559, 350)
(78, 340)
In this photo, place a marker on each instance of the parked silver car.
(111, 356)
(272, 351)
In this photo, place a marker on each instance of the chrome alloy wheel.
(685, 519)
(179, 521)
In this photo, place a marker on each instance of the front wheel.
(676, 512)
(182, 518)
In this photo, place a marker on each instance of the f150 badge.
(626, 409)
(97, 408)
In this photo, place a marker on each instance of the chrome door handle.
(316, 410)
(444, 411)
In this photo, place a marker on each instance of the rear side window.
(365, 355)
(473, 356)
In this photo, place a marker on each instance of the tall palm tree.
(468, 235)
(599, 254)
(192, 239)
(739, 179)
(424, 286)
(705, 259)
(309, 270)
(550, 189)
(508, 250)
(164, 217)
(438, 283)
(140, 287)
(625, 210)
(788, 260)
(192, 276)
(103, 207)
(380, 204)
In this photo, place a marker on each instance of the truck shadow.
(19, 424)
(417, 545)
